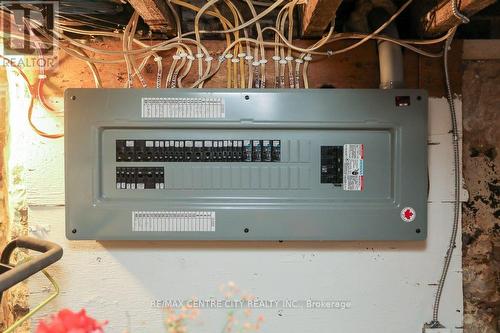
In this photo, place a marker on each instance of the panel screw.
(73, 231)
(73, 98)
(247, 97)
(246, 230)
(418, 230)
(419, 98)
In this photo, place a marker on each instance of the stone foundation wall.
(13, 220)
(481, 227)
(3, 188)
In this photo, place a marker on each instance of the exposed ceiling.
(114, 14)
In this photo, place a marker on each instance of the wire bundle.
(245, 57)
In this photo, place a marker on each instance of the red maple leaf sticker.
(408, 214)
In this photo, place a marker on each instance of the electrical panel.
(155, 164)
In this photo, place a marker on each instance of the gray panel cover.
(282, 200)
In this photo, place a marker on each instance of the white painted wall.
(390, 284)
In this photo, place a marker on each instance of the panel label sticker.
(173, 221)
(181, 108)
(354, 155)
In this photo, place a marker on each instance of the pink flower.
(67, 321)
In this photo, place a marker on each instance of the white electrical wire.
(253, 74)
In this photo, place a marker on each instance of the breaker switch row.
(332, 165)
(140, 178)
(198, 150)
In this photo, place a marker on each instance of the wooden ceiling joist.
(317, 15)
(156, 15)
(441, 18)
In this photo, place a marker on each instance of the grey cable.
(456, 202)
(456, 168)
(457, 13)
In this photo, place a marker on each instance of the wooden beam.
(481, 49)
(441, 18)
(156, 15)
(317, 15)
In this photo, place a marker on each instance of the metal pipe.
(389, 54)
(50, 253)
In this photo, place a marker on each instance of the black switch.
(124, 150)
(207, 155)
(180, 150)
(120, 178)
(238, 153)
(139, 150)
(140, 179)
(332, 159)
(198, 151)
(266, 151)
(188, 151)
(120, 150)
(256, 151)
(149, 179)
(225, 150)
(149, 147)
(276, 151)
(247, 150)
(159, 178)
(170, 150)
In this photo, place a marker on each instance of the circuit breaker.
(155, 164)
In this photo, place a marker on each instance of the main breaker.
(155, 164)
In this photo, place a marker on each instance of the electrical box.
(154, 164)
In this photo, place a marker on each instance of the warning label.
(353, 167)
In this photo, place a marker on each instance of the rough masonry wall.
(481, 228)
(13, 208)
(3, 187)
